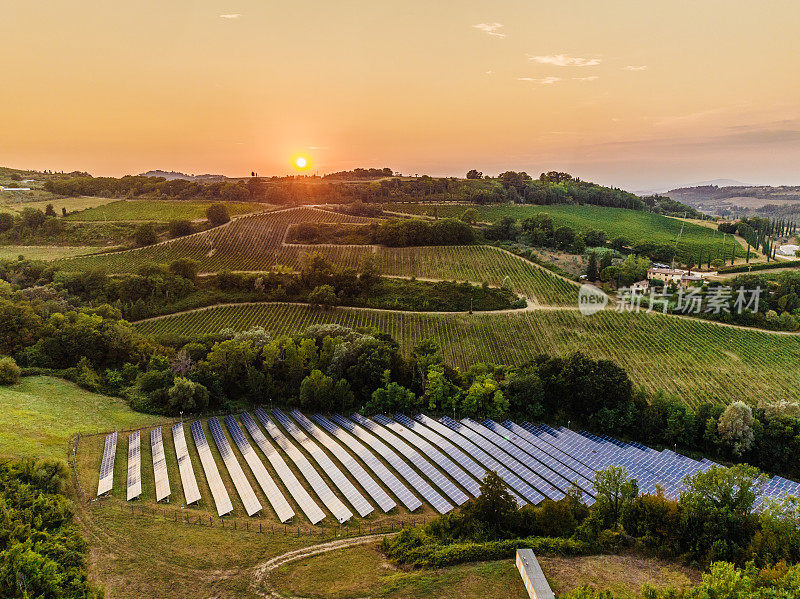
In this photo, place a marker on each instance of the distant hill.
(740, 199)
(170, 175)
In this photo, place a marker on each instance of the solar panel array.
(339, 510)
(441, 460)
(218, 491)
(282, 508)
(347, 488)
(191, 493)
(251, 503)
(432, 496)
(406, 497)
(310, 508)
(413, 456)
(106, 482)
(159, 465)
(134, 465)
(438, 459)
(381, 497)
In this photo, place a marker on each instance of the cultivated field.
(159, 211)
(693, 359)
(46, 252)
(20, 201)
(255, 243)
(634, 225)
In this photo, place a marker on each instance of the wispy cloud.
(541, 80)
(590, 78)
(317, 147)
(631, 67)
(490, 29)
(565, 60)
(233, 15)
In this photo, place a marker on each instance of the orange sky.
(641, 94)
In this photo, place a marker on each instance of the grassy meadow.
(158, 210)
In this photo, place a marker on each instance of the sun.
(301, 163)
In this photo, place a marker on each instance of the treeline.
(714, 520)
(392, 233)
(510, 186)
(42, 553)
(761, 233)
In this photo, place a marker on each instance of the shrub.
(217, 214)
(10, 373)
(180, 227)
(145, 234)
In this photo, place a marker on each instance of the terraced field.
(255, 243)
(634, 225)
(690, 358)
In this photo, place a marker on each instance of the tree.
(317, 392)
(736, 427)
(514, 180)
(614, 491)
(591, 268)
(50, 211)
(563, 237)
(494, 511)
(10, 373)
(145, 234)
(180, 227)
(187, 396)
(6, 221)
(217, 214)
(184, 267)
(470, 216)
(33, 218)
(595, 238)
(474, 174)
(322, 296)
(620, 243)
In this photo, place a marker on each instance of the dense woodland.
(42, 553)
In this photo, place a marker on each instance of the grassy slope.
(20, 202)
(41, 413)
(159, 211)
(364, 572)
(693, 359)
(634, 225)
(45, 252)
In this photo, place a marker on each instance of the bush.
(145, 234)
(180, 227)
(217, 214)
(10, 373)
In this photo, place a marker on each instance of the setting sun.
(301, 163)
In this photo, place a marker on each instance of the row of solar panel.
(442, 461)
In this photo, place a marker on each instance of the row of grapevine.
(256, 243)
(693, 359)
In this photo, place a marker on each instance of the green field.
(635, 225)
(45, 252)
(694, 359)
(40, 414)
(159, 210)
(256, 243)
(71, 204)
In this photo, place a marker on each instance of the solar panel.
(439, 503)
(106, 482)
(413, 456)
(159, 465)
(513, 457)
(466, 462)
(381, 497)
(339, 510)
(218, 490)
(406, 497)
(526, 492)
(310, 508)
(190, 491)
(134, 465)
(338, 478)
(251, 503)
(445, 463)
(282, 508)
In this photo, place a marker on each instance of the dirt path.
(261, 573)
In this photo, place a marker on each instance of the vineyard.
(255, 243)
(688, 358)
(158, 210)
(634, 225)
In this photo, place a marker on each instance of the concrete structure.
(676, 276)
(532, 575)
(641, 285)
